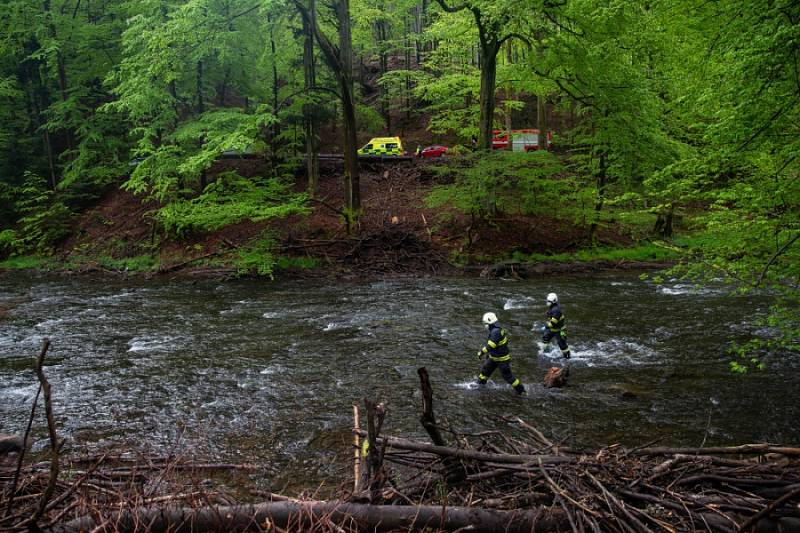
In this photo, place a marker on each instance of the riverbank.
(515, 479)
(510, 268)
(399, 233)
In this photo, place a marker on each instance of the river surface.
(267, 372)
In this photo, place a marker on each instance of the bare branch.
(774, 257)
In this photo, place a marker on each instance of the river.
(267, 372)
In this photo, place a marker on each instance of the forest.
(675, 122)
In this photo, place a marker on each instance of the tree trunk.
(541, 121)
(601, 190)
(663, 225)
(224, 87)
(273, 130)
(312, 154)
(297, 515)
(201, 108)
(61, 70)
(382, 36)
(427, 46)
(489, 49)
(408, 68)
(172, 88)
(40, 100)
(509, 96)
(341, 63)
(351, 171)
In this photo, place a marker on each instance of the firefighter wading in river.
(555, 325)
(499, 356)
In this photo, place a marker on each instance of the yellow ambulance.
(382, 146)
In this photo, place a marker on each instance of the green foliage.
(738, 101)
(511, 182)
(369, 119)
(139, 263)
(296, 263)
(8, 242)
(459, 149)
(452, 100)
(258, 258)
(26, 262)
(643, 253)
(46, 219)
(168, 169)
(230, 199)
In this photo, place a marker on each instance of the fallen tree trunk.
(294, 515)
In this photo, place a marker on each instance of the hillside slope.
(398, 234)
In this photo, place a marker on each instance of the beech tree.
(340, 60)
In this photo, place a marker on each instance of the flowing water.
(267, 372)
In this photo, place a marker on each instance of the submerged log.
(294, 515)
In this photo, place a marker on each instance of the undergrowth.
(644, 252)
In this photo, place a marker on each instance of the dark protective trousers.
(561, 339)
(505, 369)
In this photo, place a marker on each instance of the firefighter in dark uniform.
(555, 326)
(499, 356)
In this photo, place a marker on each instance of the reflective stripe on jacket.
(497, 344)
(555, 319)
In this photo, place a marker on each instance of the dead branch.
(45, 346)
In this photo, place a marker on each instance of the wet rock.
(505, 269)
(556, 377)
(10, 444)
(666, 377)
(628, 391)
(6, 306)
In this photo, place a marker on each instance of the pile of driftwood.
(532, 483)
(102, 489)
(511, 480)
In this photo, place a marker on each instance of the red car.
(432, 151)
(524, 140)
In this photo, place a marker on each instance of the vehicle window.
(391, 146)
(367, 147)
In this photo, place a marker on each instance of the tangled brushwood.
(511, 480)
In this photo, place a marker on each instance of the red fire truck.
(521, 140)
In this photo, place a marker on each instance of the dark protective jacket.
(497, 344)
(555, 319)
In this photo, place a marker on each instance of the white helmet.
(552, 298)
(489, 319)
